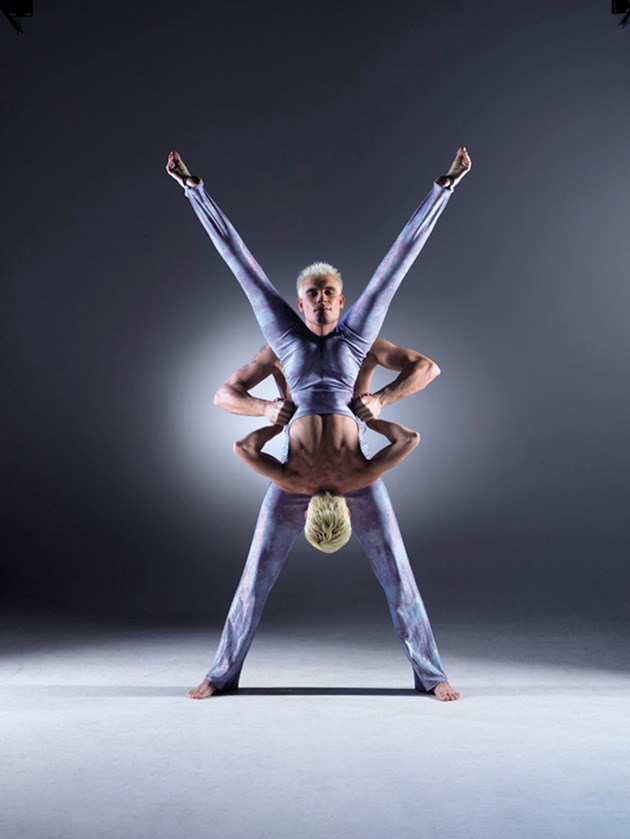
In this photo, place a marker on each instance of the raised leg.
(280, 520)
(375, 526)
(275, 317)
(366, 316)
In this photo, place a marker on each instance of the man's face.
(321, 301)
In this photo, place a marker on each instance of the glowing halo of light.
(201, 435)
(459, 418)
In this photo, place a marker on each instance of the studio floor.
(325, 738)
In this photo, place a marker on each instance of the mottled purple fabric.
(321, 372)
(280, 521)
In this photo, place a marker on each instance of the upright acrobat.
(321, 360)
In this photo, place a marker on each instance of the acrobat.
(326, 471)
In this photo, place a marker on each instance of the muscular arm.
(415, 372)
(249, 450)
(234, 395)
(402, 441)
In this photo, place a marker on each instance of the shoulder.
(269, 359)
(372, 359)
(263, 360)
(265, 355)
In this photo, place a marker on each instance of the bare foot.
(177, 169)
(459, 167)
(204, 690)
(445, 693)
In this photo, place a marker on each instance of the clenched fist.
(279, 411)
(366, 406)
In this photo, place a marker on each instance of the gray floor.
(326, 739)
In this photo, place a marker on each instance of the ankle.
(445, 181)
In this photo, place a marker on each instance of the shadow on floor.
(159, 690)
(325, 691)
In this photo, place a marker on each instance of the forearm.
(235, 399)
(413, 378)
(415, 371)
(255, 440)
(249, 451)
(235, 395)
(402, 442)
(395, 432)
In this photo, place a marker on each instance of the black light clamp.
(13, 9)
(621, 7)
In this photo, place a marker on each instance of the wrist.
(263, 406)
(384, 397)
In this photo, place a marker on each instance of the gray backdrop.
(318, 128)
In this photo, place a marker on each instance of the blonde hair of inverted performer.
(327, 525)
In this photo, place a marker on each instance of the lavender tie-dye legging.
(322, 372)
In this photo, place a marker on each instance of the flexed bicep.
(234, 394)
(403, 441)
(249, 450)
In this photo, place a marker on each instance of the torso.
(324, 451)
(324, 454)
(362, 384)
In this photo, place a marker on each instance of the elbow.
(245, 450)
(426, 371)
(431, 370)
(434, 371)
(219, 398)
(413, 440)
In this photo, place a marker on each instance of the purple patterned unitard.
(320, 373)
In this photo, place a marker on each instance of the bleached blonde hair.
(317, 269)
(327, 525)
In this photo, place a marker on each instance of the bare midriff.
(324, 454)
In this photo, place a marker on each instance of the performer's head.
(327, 525)
(320, 298)
(318, 269)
